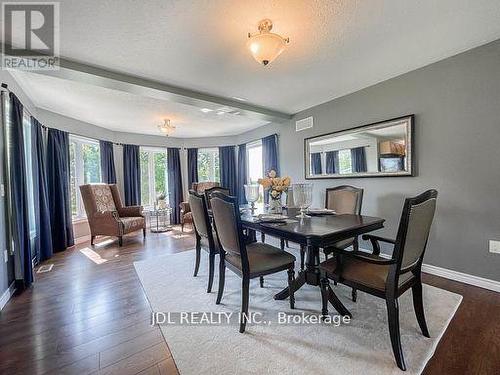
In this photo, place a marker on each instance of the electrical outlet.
(494, 246)
(5, 256)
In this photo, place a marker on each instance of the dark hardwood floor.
(90, 315)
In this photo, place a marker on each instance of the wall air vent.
(303, 124)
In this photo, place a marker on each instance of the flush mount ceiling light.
(166, 127)
(265, 46)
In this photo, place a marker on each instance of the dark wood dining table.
(314, 233)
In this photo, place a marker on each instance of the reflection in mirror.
(381, 149)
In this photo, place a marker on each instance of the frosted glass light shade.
(266, 46)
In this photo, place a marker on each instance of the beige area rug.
(360, 347)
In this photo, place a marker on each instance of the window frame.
(80, 173)
(151, 151)
(214, 152)
(253, 145)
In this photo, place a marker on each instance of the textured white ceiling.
(120, 111)
(336, 47)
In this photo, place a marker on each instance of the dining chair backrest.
(227, 221)
(414, 229)
(209, 192)
(344, 199)
(197, 203)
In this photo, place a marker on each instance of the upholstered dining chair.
(106, 214)
(248, 261)
(389, 278)
(210, 191)
(199, 187)
(205, 235)
(344, 199)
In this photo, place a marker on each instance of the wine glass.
(302, 197)
(252, 194)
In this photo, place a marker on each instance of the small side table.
(159, 219)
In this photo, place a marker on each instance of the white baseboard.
(462, 277)
(6, 295)
(455, 275)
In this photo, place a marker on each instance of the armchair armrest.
(185, 207)
(375, 242)
(130, 211)
(369, 258)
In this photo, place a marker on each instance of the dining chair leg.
(222, 279)
(393, 318)
(291, 279)
(120, 241)
(286, 243)
(324, 296)
(261, 281)
(197, 261)
(143, 232)
(354, 294)
(211, 266)
(262, 237)
(92, 238)
(245, 286)
(302, 257)
(282, 244)
(418, 306)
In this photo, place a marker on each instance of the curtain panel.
(19, 195)
(242, 173)
(270, 157)
(58, 189)
(174, 184)
(43, 242)
(358, 158)
(227, 160)
(332, 162)
(108, 172)
(316, 163)
(132, 175)
(192, 156)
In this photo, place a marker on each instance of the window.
(345, 162)
(255, 166)
(154, 175)
(28, 159)
(208, 165)
(85, 168)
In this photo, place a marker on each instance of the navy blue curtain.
(132, 175)
(192, 166)
(174, 184)
(332, 162)
(58, 189)
(270, 157)
(108, 173)
(227, 161)
(19, 194)
(242, 173)
(358, 158)
(316, 163)
(270, 154)
(43, 243)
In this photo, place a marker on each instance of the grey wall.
(457, 106)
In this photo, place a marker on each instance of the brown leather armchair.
(199, 187)
(106, 214)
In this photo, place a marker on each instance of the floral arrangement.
(276, 185)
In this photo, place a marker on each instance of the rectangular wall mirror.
(381, 149)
